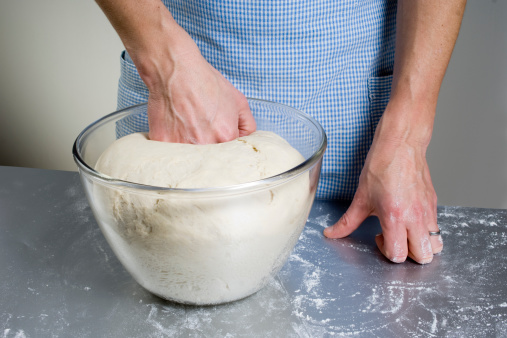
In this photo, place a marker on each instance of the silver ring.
(434, 233)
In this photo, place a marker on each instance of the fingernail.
(426, 260)
(398, 259)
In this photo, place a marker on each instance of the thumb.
(350, 221)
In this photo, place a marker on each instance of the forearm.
(149, 33)
(189, 100)
(426, 34)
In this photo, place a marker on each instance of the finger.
(437, 244)
(350, 220)
(419, 245)
(400, 258)
(246, 122)
(157, 120)
(225, 133)
(393, 241)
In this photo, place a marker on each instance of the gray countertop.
(59, 278)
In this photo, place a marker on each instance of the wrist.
(406, 121)
(159, 48)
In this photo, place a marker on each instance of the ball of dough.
(204, 249)
(137, 159)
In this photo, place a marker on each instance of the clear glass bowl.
(211, 245)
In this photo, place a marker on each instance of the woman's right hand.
(189, 100)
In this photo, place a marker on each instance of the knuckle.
(394, 216)
(345, 220)
(251, 127)
(227, 133)
(242, 101)
(361, 199)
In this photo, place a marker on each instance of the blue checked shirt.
(331, 59)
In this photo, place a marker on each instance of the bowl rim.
(253, 185)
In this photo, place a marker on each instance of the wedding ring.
(435, 233)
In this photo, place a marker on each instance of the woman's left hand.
(395, 186)
(395, 183)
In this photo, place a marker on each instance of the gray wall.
(59, 72)
(59, 65)
(468, 152)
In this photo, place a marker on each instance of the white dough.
(214, 248)
(137, 159)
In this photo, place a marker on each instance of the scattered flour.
(323, 220)
(17, 334)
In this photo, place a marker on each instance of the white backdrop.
(59, 68)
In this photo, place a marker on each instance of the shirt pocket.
(379, 91)
(130, 79)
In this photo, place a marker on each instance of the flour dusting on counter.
(75, 287)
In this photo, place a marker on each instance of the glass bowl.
(210, 245)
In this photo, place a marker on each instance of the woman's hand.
(395, 186)
(189, 100)
(395, 183)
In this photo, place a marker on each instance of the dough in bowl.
(203, 248)
(137, 159)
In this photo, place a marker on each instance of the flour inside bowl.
(198, 248)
